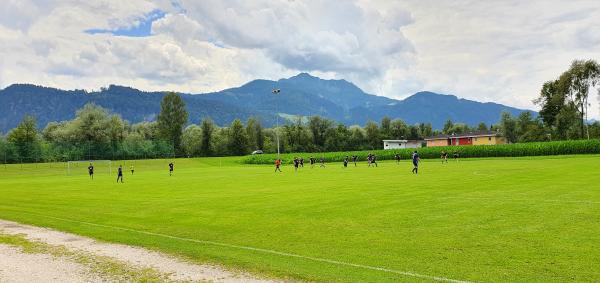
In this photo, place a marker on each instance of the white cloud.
(310, 36)
(488, 51)
(496, 51)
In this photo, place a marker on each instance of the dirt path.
(16, 266)
(33, 254)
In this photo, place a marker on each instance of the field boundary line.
(525, 200)
(286, 254)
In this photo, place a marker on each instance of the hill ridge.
(302, 94)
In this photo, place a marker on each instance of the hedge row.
(504, 150)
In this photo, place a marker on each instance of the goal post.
(99, 166)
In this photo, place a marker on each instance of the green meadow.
(523, 219)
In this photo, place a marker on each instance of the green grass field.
(481, 220)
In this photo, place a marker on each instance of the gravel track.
(19, 266)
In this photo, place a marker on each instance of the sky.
(500, 51)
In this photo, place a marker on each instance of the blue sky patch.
(144, 28)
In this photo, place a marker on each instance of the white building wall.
(401, 144)
(393, 145)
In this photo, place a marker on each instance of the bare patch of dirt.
(75, 262)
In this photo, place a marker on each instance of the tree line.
(564, 101)
(96, 134)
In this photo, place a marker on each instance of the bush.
(503, 150)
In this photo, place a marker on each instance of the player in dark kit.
(397, 156)
(444, 157)
(301, 162)
(415, 160)
(91, 171)
(296, 163)
(120, 174)
(346, 160)
(322, 162)
(455, 155)
(171, 168)
(354, 159)
(374, 159)
(312, 162)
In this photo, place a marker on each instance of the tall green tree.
(425, 130)
(399, 129)
(357, 138)
(256, 135)
(447, 127)
(318, 127)
(238, 140)
(414, 132)
(148, 130)
(585, 75)
(207, 128)
(25, 138)
(220, 142)
(567, 97)
(270, 141)
(458, 128)
(482, 127)
(509, 127)
(529, 129)
(372, 135)
(191, 140)
(524, 122)
(567, 124)
(297, 138)
(116, 129)
(3, 149)
(259, 136)
(172, 118)
(90, 126)
(338, 138)
(250, 124)
(552, 99)
(386, 128)
(595, 130)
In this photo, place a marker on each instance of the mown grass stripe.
(286, 254)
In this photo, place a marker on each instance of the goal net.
(81, 167)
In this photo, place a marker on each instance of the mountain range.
(303, 95)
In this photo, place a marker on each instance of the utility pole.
(276, 92)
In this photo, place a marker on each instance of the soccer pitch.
(479, 220)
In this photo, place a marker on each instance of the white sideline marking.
(477, 173)
(524, 199)
(405, 273)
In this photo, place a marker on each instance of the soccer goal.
(82, 166)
